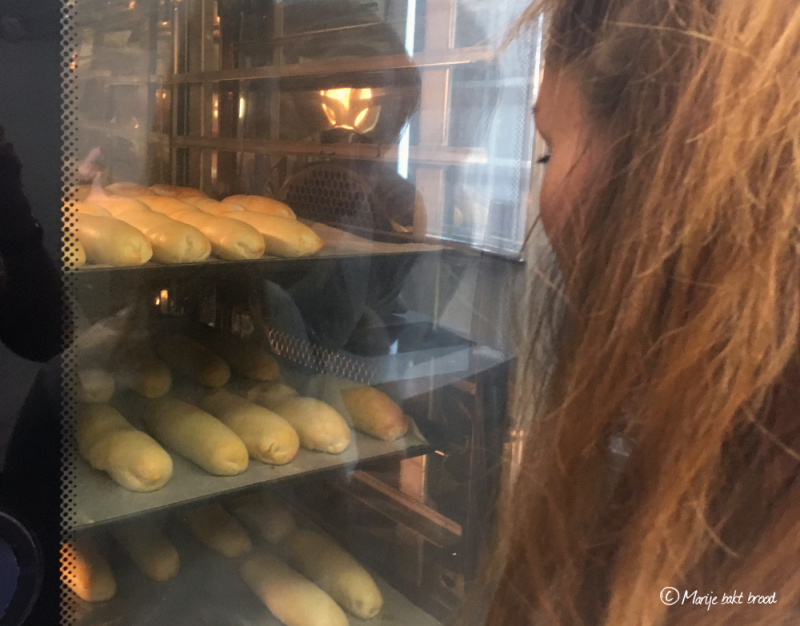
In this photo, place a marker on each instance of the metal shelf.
(334, 67)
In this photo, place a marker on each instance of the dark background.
(30, 111)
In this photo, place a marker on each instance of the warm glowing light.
(242, 107)
(164, 295)
(132, 4)
(350, 108)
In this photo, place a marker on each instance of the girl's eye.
(543, 160)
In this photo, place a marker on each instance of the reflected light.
(132, 4)
(351, 108)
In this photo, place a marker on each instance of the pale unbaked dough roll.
(128, 190)
(271, 395)
(269, 519)
(90, 209)
(141, 370)
(149, 549)
(86, 572)
(245, 358)
(116, 205)
(109, 443)
(230, 239)
(95, 385)
(190, 358)
(172, 241)
(172, 191)
(283, 236)
(219, 530)
(375, 413)
(289, 595)
(107, 241)
(318, 424)
(269, 438)
(165, 205)
(196, 435)
(207, 205)
(260, 204)
(336, 572)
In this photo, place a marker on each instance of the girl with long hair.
(662, 455)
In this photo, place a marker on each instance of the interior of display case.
(295, 229)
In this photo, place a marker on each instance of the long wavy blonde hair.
(681, 339)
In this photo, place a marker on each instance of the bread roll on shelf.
(265, 516)
(291, 597)
(90, 209)
(244, 357)
(207, 205)
(337, 573)
(283, 236)
(269, 438)
(318, 424)
(219, 530)
(190, 358)
(166, 206)
(173, 191)
(108, 241)
(230, 239)
(128, 190)
(86, 572)
(116, 205)
(137, 368)
(149, 549)
(374, 413)
(78, 256)
(260, 204)
(172, 241)
(271, 395)
(197, 436)
(95, 386)
(111, 444)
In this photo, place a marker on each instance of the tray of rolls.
(129, 225)
(245, 561)
(200, 412)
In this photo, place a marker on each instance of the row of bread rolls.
(127, 224)
(220, 435)
(307, 589)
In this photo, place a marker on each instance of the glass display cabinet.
(294, 240)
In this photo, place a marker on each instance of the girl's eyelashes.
(543, 160)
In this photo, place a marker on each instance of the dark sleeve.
(30, 303)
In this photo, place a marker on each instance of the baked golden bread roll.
(80, 192)
(128, 190)
(172, 191)
(207, 205)
(137, 368)
(197, 436)
(190, 358)
(231, 240)
(375, 413)
(166, 206)
(269, 438)
(219, 530)
(289, 595)
(107, 241)
(271, 395)
(95, 385)
(86, 572)
(337, 573)
(149, 549)
(265, 516)
(244, 357)
(318, 424)
(283, 236)
(90, 209)
(172, 241)
(116, 206)
(260, 204)
(130, 457)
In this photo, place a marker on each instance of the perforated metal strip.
(69, 259)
